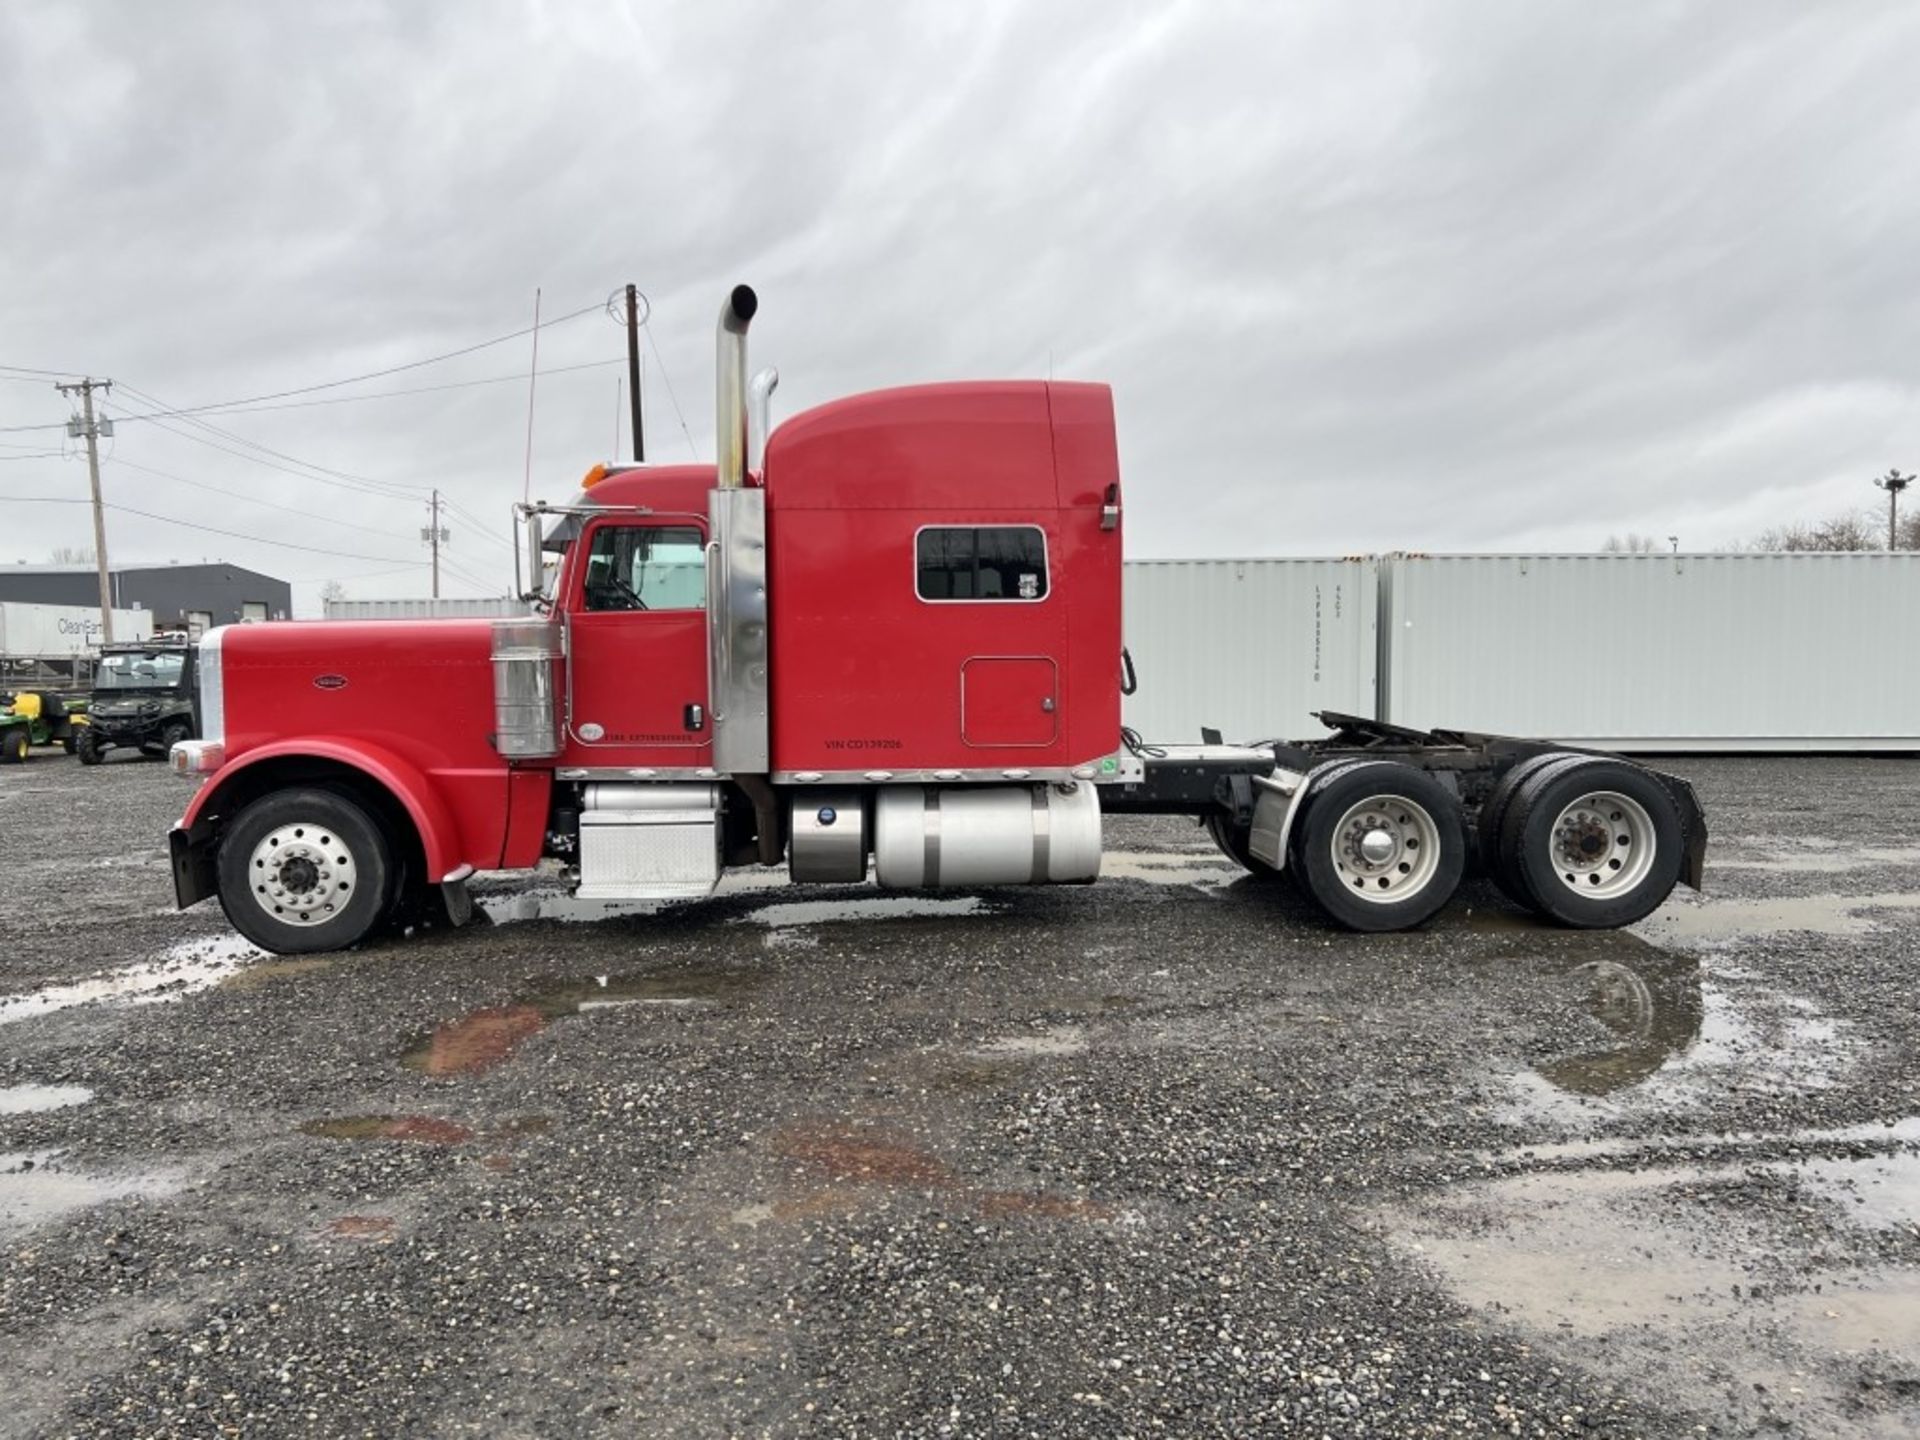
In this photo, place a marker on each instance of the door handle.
(695, 716)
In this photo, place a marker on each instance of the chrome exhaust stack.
(730, 412)
(760, 416)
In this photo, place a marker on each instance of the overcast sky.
(1363, 276)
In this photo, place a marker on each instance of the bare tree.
(72, 555)
(331, 593)
(1630, 544)
(1852, 530)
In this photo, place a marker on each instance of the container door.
(637, 648)
(1009, 700)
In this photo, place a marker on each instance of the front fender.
(432, 819)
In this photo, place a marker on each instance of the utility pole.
(1893, 482)
(85, 425)
(633, 369)
(436, 535)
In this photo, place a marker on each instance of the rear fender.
(192, 843)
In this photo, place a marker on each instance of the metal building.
(192, 597)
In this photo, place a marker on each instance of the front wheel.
(172, 735)
(303, 871)
(1381, 845)
(15, 745)
(89, 747)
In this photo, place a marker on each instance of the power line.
(667, 376)
(170, 410)
(392, 486)
(354, 399)
(190, 525)
(253, 499)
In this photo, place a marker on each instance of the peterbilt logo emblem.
(329, 682)
(591, 732)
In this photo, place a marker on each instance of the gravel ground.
(1161, 1155)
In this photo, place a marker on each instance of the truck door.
(637, 646)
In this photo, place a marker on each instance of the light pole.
(1893, 482)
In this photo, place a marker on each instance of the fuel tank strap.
(1042, 834)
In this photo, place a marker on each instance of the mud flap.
(194, 876)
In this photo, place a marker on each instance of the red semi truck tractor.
(885, 642)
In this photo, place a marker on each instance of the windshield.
(148, 670)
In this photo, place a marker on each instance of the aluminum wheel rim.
(302, 874)
(1602, 845)
(1386, 849)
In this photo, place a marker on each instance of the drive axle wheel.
(303, 871)
(1596, 843)
(15, 745)
(1381, 845)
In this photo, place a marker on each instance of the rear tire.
(1596, 843)
(89, 748)
(303, 871)
(1493, 815)
(1381, 846)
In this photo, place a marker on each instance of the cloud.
(1363, 276)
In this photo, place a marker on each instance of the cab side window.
(981, 562)
(646, 567)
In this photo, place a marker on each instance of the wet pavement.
(1163, 1154)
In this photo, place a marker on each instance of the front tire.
(171, 736)
(1382, 846)
(15, 745)
(1596, 843)
(303, 871)
(89, 748)
(1234, 843)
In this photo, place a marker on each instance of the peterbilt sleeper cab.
(886, 645)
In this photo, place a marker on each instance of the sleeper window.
(646, 567)
(985, 562)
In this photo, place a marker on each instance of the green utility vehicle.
(38, 717)
(145, 697)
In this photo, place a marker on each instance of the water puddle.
(38, 1186)
(1881, 1192)
(1202, 869)
(1654, 1149)
(485, 1038)
(415, 1129)
(1672, 1038)
(32, 1099)
(1664, 1279)
(1787, 856)
(181, 970)
(1707, 923)
(840, 1164)
(1059, 1040)
(884, 907)
(362, 1227)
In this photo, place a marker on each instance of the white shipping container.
(52, 632)
(1249, 647)
(1656, 652)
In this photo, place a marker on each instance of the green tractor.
(39, 717)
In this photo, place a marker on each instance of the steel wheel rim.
(1386, 849)
(302, 874)
(1602, 845)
